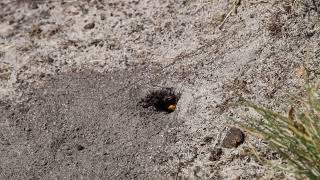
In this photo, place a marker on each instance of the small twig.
(236, 4)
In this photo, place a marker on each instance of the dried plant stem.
(235, 5)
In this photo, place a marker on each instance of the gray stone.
(233, 139)
(89, 26)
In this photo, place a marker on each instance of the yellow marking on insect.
(301, 71)
(172, 107)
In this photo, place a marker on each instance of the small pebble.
(102, 17)
(89, 26)
(233, 139)
(79, 147)
(34, 5)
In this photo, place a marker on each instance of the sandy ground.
(72, 74)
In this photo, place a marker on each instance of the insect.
(165, 99)
(172, 107)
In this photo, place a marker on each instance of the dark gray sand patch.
(76, 126)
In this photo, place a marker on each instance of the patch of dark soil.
(76, 126)
(215, 154)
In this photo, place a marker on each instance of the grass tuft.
(295, 136)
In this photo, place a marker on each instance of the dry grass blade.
(296, 137)
(235, 5)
